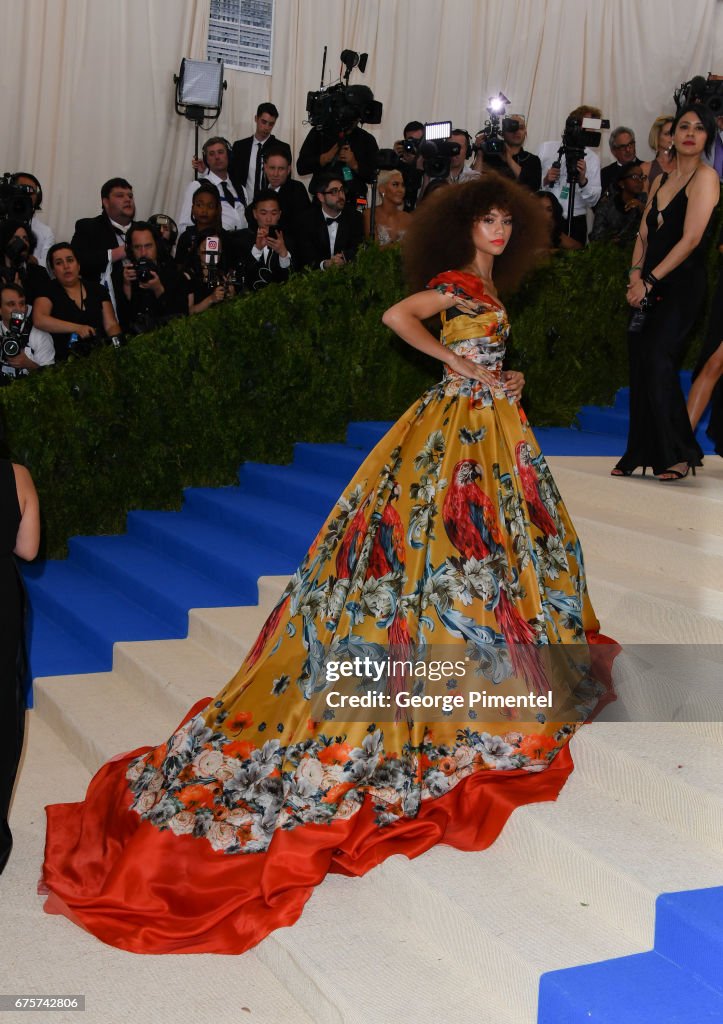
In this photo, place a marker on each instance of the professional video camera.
(708, 92)
(15, 339)
(340, 107)
(492, 143)
(577, 136)
(16, 201)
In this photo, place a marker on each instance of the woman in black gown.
(19, 535)
(668, 272)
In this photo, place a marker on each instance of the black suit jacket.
(256, 273)
(238, 167)
(93, 237)
(312, 243)
(293, 200)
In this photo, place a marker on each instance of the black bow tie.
(331, 220)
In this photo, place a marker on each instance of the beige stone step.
(40, 952)
(693, 504)
(666, 770)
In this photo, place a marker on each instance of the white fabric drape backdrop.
(88, 88)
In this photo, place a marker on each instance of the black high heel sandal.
(619, 471)
(675, 474)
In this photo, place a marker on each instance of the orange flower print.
(197, 796)
(335, 753)
(447, 765)
(240, 721)
(537, 746)
(239, 748)
(337, 793)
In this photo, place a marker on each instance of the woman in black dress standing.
(668, 275)
(19, 535)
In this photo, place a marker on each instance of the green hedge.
(185, 405)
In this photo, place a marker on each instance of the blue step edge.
(679, 981)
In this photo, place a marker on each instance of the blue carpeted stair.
(141, 585)
(679, 981)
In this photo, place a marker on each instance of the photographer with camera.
(43, 234)
(23, 348)
(574, 163)
(212, 273)
(77, 313)
(17, 244)
(351, 154)
(151, 290)
(264, 253)
(458, 170)
(411, 163)
(513, 160)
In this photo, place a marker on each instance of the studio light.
(199, 89)
(199, 92)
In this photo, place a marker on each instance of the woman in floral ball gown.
(451, 533)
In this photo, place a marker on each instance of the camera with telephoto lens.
(16, 201)
(410, 145)
(145, 269)
(14, 341)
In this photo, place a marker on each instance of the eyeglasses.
(635, 177)
(333, 192)
(624, 145)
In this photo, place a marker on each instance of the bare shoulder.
(705, 181)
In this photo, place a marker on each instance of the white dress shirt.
(233, 218)
(45, 238)
(251, 177)
(585, 198)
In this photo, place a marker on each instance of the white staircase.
(450, 935)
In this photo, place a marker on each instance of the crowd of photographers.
(245, 222)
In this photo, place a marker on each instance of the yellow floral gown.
(451, 538)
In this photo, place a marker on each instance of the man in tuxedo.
(330, 232)
(264, 253)
(246, 166)
(99, 242)
(292, 195)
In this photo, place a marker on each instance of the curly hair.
(440, 232)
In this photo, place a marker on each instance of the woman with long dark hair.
(451, 533)
(666, 288)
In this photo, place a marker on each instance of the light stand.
(199, 93)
